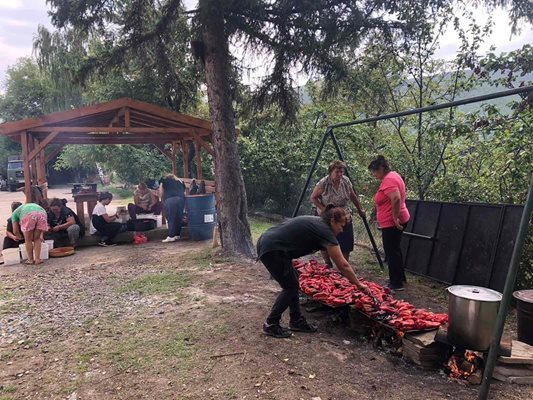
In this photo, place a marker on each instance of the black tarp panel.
(509, 230)
(472, 242)
(411, 206)
(479, 241)
(419, 250)
(448, 242)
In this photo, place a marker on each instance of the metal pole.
(416, 235)
(310, 175)
(507, 293)
(367, 226)
(504, 93)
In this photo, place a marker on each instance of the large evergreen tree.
(308, 35)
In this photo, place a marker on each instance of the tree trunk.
(231, 195)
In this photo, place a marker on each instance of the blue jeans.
(174, 213)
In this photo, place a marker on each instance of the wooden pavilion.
(122, 121)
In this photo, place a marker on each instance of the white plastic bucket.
(157, 218)
(44, 251)
(11, 256)
(50, 243)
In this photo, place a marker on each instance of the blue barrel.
(202, 216)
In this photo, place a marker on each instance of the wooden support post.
(127, 122)
(117, 116)
(173, 159)
(36, 160)
(185, 153)
(203, 143)
(44, 184)
(33, 166)
(38, 147)
(198, 148)
(54, 153)
(26, 161)
(39, 167)
(165, 152)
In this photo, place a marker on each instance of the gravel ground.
(180, 321)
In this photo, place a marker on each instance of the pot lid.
(475, 293)
(524, 295)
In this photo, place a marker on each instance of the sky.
(19, 20)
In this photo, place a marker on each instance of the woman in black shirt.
(11, 241)
(295, 238)
(172, 191)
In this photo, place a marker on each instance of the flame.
(455, 372)
(470, 357)
(458, 373)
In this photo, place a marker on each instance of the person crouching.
(297, 237)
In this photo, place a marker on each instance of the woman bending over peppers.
(295, 238)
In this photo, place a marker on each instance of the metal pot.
(472, 312)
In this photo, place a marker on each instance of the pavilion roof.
(122, 121)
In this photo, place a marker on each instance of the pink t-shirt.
(391, 183)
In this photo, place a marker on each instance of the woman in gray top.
(337, 190)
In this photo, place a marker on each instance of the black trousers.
(392, 238)
(107, 231)
(281, 269)
(11, 244)
(346, 238)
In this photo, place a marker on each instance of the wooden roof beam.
(109, 129)
(117, 117)
(55, 152)
(116, 141)
(127, 122)
(42, 145)
(154, 119)
(169, 114)
(203, 143)
(98, 111)
(77, 135)
(62, 116)
(164, 151)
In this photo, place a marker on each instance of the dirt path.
(179, 322)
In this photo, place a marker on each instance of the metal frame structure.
(520, 239)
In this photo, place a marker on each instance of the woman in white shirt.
(103, 224)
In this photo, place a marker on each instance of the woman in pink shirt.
(392, 217)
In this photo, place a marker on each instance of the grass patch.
(231, 393)
(157, 284)
(6, 398)
(83, 361)
(12, 307)
(125, 195)
(69, 389)
(8, 389)
(204, 259)
(129, 352)
(258, 226)
(6, 294)
(180, 347)
(139, 349)
(221, 329)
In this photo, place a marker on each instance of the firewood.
(475, 378)
(513, 370)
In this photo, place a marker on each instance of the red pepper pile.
(330, 287)
(139, 238)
